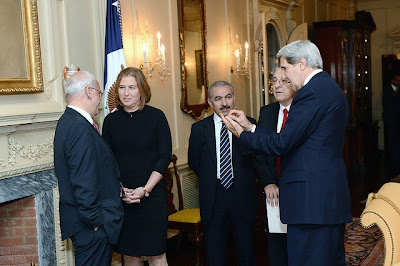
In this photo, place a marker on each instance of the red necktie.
(96, 126)
(278, 159)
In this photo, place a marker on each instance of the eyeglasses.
(101, 93)
(281, 81)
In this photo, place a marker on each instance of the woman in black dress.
(140, 139)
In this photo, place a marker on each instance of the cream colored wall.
(27, 121)
(386, 16)
(73, 32)
(223, 19)
(161, 16)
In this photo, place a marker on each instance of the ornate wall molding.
(290, 23)
(47, 90)
(17, 144)
(32, 152)
(16, 120)
(26, 170)
(263, 5)
(34, 126)
(395, 36)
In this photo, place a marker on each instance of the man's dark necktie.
(226, 174)
(278, 159)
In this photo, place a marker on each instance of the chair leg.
(179, 240)
(198, 248)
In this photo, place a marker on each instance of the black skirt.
(144, 231)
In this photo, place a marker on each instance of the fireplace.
(27, 219)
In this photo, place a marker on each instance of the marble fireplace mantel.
(43, 186)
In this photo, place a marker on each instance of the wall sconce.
(242, 69)
(159, 68)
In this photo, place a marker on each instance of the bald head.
(78, 82)
(83, 90)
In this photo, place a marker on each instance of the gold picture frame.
(20, 57)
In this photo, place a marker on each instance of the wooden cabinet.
(345, 47)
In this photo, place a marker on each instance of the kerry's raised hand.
(231, 125)
(240, 117)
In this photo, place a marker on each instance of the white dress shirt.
(315, 72)
(280, 117)
(83, 113)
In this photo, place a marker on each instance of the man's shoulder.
(270, 107)
(203, 122)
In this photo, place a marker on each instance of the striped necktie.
(226, 174)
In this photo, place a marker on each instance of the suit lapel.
(273, 121)
(235, 143)
(210, 136)
(81, 117)
(77, 114)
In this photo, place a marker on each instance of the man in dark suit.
(273, 117)
(391, 120)
(90, 206)
(227, 182)
(314, 196)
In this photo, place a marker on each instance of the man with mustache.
(227, 182)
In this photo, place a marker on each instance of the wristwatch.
(146, 193)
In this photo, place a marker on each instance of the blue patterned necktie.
(226, 175)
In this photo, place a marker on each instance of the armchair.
(383, 209)
(182, 220)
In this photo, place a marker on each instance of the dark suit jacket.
(391, 113)
(266, 165)
(313, 184)
(203, 161)
(87, 178)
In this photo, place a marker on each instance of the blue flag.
(114, 52)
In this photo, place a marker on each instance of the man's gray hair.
(78, 83)
(219, 83)
(294, 51)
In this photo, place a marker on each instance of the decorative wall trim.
(47, 90)
(395, 36)
(280, 4)
(32, 152)
(290, 23)
(27, 127)
(25, 170)
(15, 120)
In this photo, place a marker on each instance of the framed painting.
(21, 67)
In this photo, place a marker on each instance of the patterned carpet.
(364, 246)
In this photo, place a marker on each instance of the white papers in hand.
(274, 221)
